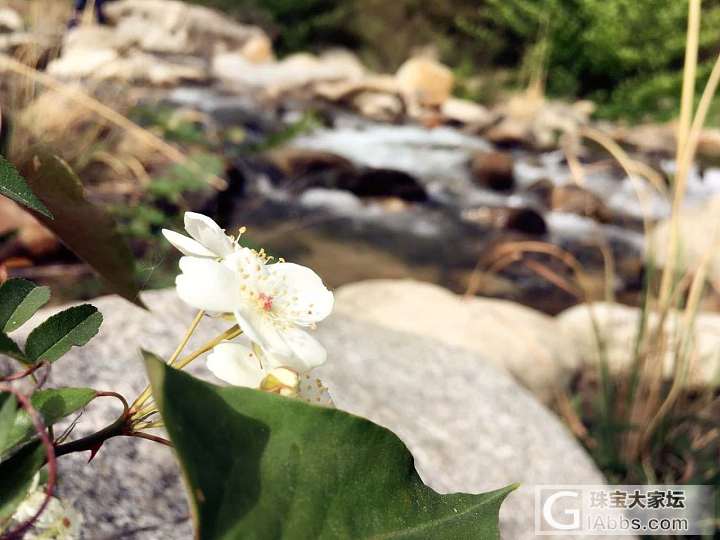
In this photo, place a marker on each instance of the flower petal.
(208, 233)
(236, 364)
(187, 246)
(261, 329)
(207, 284)
(305, 300)
(307, 352)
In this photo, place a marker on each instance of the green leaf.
(13, 185)
(8, 411)
(53, 405)
(57, 335)
(86, 229)
(19, 300)
(259, 465)
(9, 348)
(16, 476)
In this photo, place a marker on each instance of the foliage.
(270, 464)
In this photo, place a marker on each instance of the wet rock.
(542, 191)
(304, 169)
(618, 325)
(493, 170)
(425, 82)
(525, 220)
(388, 183)
(379, 106)
(509, 133)
(577, 200)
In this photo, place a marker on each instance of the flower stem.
(230, 333)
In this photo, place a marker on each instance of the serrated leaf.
(84, 228)
(57, 335)
(8, 410)
(16, 478)
(53, 405)
(13, 186)
(259, 465)
(19, 300)
(9, 348)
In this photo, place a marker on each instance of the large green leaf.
(53, 405)
(9, 348)
(86, 229)
(19, 300)
(13, 185)
(53, 338)
(16, 476)
(260, 465)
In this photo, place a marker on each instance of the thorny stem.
(50, 456)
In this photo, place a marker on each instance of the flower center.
(266, 301)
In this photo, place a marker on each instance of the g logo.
(574, 514)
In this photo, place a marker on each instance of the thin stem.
(24, 373)
(188, 335)
(153, 438)
(230, 333)
(94, 441)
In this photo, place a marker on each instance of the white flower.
(59, 521)
(243, 363)
(207, 240)
(272, 303)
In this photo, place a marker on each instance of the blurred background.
(523, 150)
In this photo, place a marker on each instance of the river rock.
(174, 27)
(297, 71)
(618, 326)
(425, 82)
(578, 200)
(466, 112)
(469, 425)
(699, 233)
(520, 340)
(493, 170)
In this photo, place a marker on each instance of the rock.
(469, 426)
(699, 233)
(577, 200)
(618, 325)
(509, 133)
(378, 106)
(300, 162)
(81, 63)
(258, 49)
(142, 68)
(525, 220)
(294, 72)
(388, 183)
(10, 20)
(425, 82)
(542, 191)
(466, 112)
(303, 169)
(520, 340)
(174, 27)
(493, 170)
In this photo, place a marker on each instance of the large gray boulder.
(530, 345)
(470, 426)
